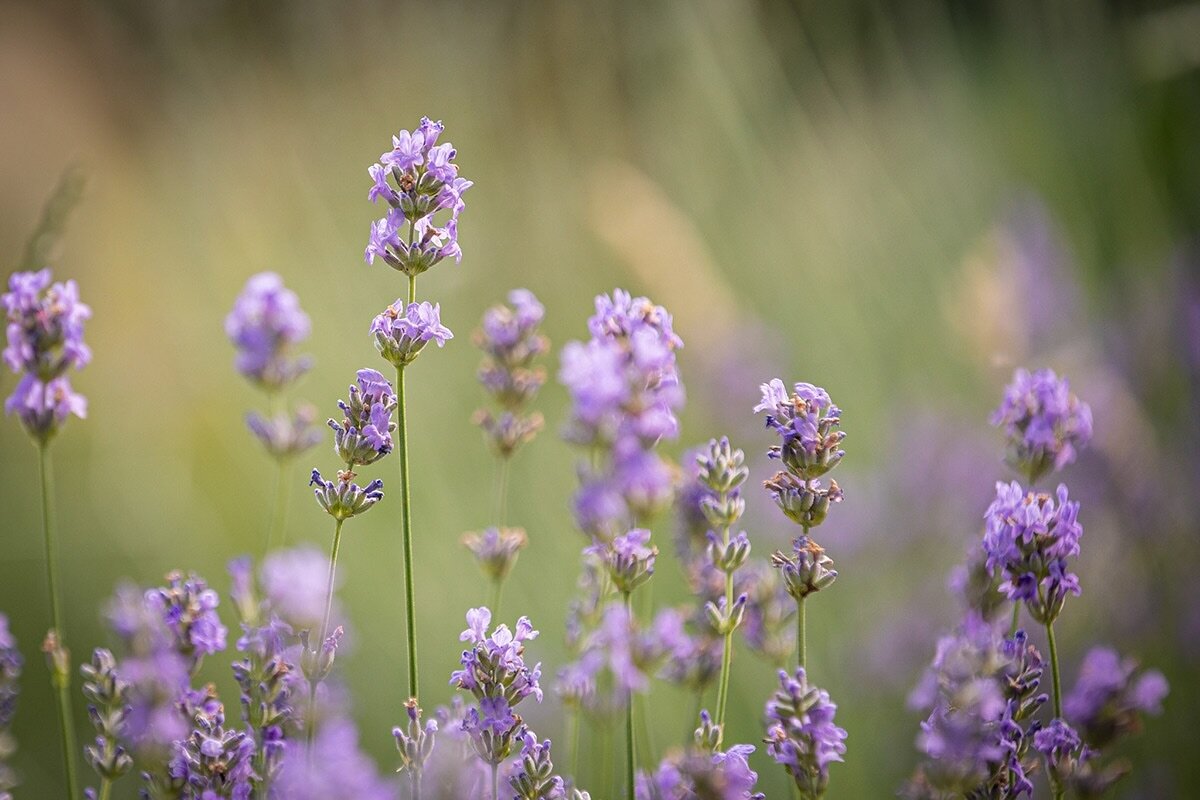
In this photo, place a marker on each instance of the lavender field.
(610, 400)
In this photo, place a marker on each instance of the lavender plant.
(801, 734)
(45, 341)
(265, 326)
(984, 735)
(419, 182)
(511, 342)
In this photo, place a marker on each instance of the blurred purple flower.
(265, 324)
(1045, 424)
(801, 734)
(1110, 695)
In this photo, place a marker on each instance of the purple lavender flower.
(286, 436)
(1028, 539)
(365, 433)
(702, 775)
(1045, 424)
(403, 329)
(343, 498)
(625, 392)
(806, 570)
(108, 708)
(45, 326)
(801, 734)
(415, 740)
(804, 502)
(189, 609)
(213, 762)
(1110, 696)
(266, 323)
(495, 672)
(10, 672)
(333, 768)
(1071, 764)
(510, 340)
(43, 408)
(629, 560)
(496, 549)
(808, 423)
(294, 582)
(426, 182)
(534, 778)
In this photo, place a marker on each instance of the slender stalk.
(61, 682)
(276, 532)
(1016, 620)
(1054, 669)
(415, 780)
(727, 648)
(501, 490)
(630, 759)
(320, 642)
(406, 521)
(800, 625)
(495, 782)
(497, 585)
(105, 788)
(573, 739)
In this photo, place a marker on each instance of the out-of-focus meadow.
(900, 202)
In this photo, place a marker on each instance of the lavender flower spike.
(801, 734)
(629, 560)
(807, 570)
(365, 433)
(284, 437)
(1046, 425)
(266, 323)
(108, 708)
(496, 549)
(403, 329)
(415, 740)
(808, 423)
(419, 182)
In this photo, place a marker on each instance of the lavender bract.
(343, 498)
(265, 325)
(1046, 425)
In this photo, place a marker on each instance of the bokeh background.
(898, 201)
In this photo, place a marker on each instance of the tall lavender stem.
(630, 759)
(800, 625)
(406, 517)
(727, 648)
(60, 678)
(312, 685)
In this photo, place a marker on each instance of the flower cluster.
(214, 762)
(703, 771)
(625, 392)
(286, 436)
(980, 693)
(189, 609)
(415, 740)
(403, 329)
(417, 179)
(343, 498)
(1110, 695)
(1028, 540)
(365, 433)
(1071, 764)
(495, 672)
(1046, 425)
(10, 671)
(265, 325)
(801, 734)
(806, 569)
(331, 768)
(535, 778)
(107, 697)
(496, 549)
(808, 424)
(511, 341)
(629, 559)
(45, 339)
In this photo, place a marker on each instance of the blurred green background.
(898, 201)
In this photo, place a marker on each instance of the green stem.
(320, 642)
(62, 682)
(630, 759)
(406, 521)
(573, 738)
(495, 782)
(276, 532)
(1054, 670)
(727, 649)
(501, 491)
(800, 625)
(497, 585)
(105, 788)
(1016, 620)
